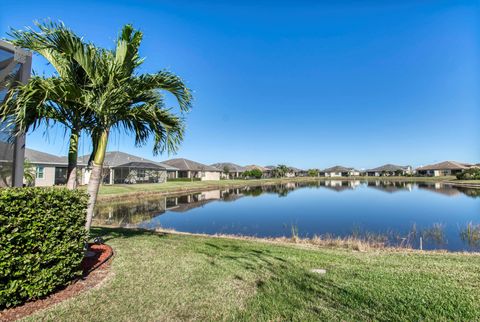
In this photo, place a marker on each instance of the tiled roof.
(39, 157)
(388, 168)
(338, 168)
(189, 165)
(446, 165)
(253, 166)
(231, 166)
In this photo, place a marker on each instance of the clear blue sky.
(307, 84)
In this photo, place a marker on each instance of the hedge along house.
(339, 171)
(229, 170)
(445, 168)
(50, 170)
(389, 170)
(189, 169)
(15, 67)
(120, 167)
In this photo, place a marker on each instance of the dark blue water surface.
(445, 217)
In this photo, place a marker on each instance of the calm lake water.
(445, 217)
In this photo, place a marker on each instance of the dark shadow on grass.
(297, 292)
(108, 233)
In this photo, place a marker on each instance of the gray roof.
(40, 157)
(446, 165)
(389, 168)
(338, 168)
(231, 166)
(117, 159)
(112, 159)
(259, 167)
(189, 165)
(296, 169)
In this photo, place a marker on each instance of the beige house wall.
(210, 175)
(48, 179)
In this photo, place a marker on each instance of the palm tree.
(55, 99)
(28, 173)
(49, 101)
(122, 100)
(281, 170)
(116, 97)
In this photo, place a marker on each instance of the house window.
(141, 173)
(39, 173)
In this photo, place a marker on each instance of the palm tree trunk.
(96, 176)
(72, 161)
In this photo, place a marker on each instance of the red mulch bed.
(95, 270)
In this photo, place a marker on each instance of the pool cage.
(15, 68)
(135, 172)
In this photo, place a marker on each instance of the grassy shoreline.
(163, 276)
(108, 192)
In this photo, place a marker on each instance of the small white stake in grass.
(318, 270)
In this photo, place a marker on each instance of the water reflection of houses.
(341, 185)
(390, 186)
(439, 188)
(186, 202)
(129, 214)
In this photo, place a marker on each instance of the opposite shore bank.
(127, 191)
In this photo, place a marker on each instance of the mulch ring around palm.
(95, 269)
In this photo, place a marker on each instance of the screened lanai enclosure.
(15, 67)
(135, 172)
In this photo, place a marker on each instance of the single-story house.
(194, 170)
(291, 173)
(50, 170)
(121, 167)
(339, 171)
(445, 168)
(298, 172)
(270, 172)
(267, 173)
(389, 170)
(229, 170)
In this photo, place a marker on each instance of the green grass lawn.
(122, 189)
(182, 277)
(108, 191)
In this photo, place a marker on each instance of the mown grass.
(183, 277)
(108, 191)
(122, 189)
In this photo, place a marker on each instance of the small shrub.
(469, 174)
(41, 241)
